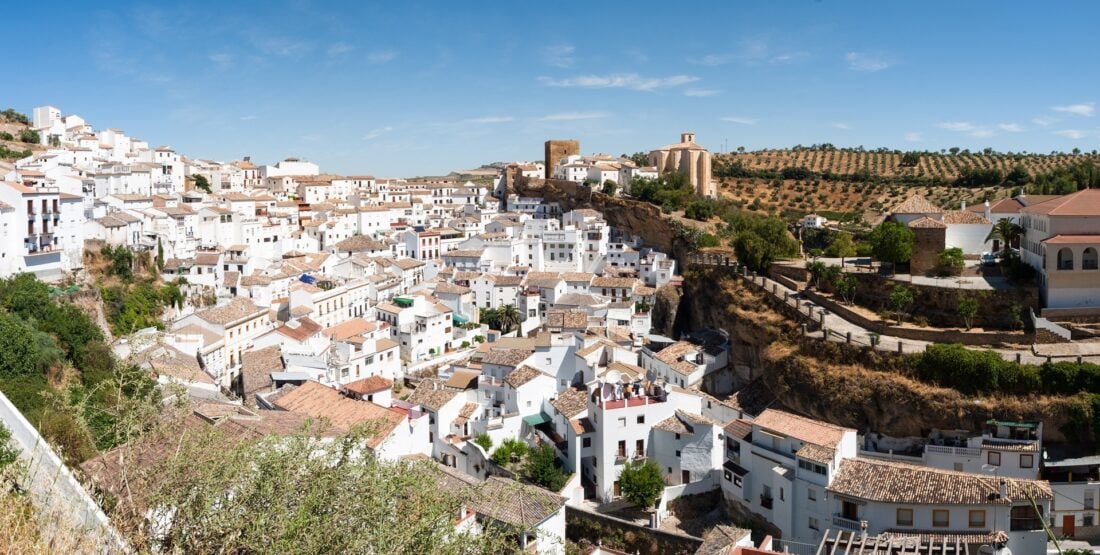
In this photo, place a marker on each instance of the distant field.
(942, 167)
(880, 180)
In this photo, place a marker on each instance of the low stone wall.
(54, 489)
(623, 535)
(940, 304)
(918, 334)
(1074, 315)
(795, 273)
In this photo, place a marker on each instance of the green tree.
(8, 452)
(892, 242)
(609, 187)
(5, 136)
(901, 298)
(640, 159)
(511, 451)
(1007, 232)
(967, 310)
(509, 318)
(816, 270)
(951, 261)
(202, 183)
(544, 469)
(846, 286)
(484, 441)
(910, 160)
(30, 136)
(19, 346)
(160, 255)
(841, 247)
(641, 483)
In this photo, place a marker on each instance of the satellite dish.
(613, 376)
(989, 468)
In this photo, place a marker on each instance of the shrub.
(4, 135)
(542, 468)
(510, 451)
(30, 136)
(951, 262)
(484, 441)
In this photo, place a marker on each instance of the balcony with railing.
(848, 524)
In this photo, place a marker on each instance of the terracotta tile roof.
(582, 426)
(320, 401)
(464, 378)
(570, 402)
(300, 330)
(1085, 202)
(256, 369)
(451, 288)
(502, 280)
(431, 394)
(916, 204)
(927, 222)
(168, 361)
(800, 427)
(237, 309)
(350, 328)
(515, 503)
(1072, 240)
(892, 482)
(614, 282)
(816, 453)
(360, 243)
(368, 385)
(465, 413)
(506, 357)
(963, 217)
(466, 253)
(567, 319)
(521, 376)
(739, 428)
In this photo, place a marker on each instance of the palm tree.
(508, 317)
(1007, 231)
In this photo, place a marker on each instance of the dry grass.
(24, 530)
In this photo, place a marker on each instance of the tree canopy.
(892, 242)
(641, 482)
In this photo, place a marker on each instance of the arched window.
(1065, 259)
(1089, 260)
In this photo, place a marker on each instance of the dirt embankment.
(869, 391)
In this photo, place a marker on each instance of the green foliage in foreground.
(298, 495)
(985, 372)
(542, 468)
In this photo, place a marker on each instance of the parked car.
(988, 259)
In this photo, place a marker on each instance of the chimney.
(963, 207)
(988, 211)
(1002, 489)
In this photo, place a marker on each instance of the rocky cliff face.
(869, 391)
(638, 218)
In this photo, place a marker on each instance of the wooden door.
(1068, 522)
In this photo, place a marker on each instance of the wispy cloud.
(1043, 121)
(488, 120)
(573, 116)
(381, 56)
(865, 61)
(1010, 127)
(842, 125)
(377, 132)
(741, 120)
(701, 92)
(751, 51)
(339, 49)
(221, 59)
(620, 81)
(958, 126)
(1072, 133)
(914, 137)
(283, 47)
(559, 55)
(1087, 109)
(248, 118)
(983, 132)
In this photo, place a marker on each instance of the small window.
(1027, 460)
(811, 494)
(905, 517)
(977, 519)
(737, 480)
(641, 419)
(994, 458)
(677, 454)
(586, 442)
(813, 524)
(941, 518)
(622, 422)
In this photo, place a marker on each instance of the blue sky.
(420, 88)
